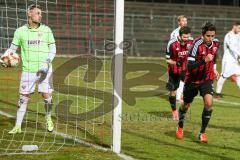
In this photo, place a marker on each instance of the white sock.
(22, 107)
(220, 83)
(180, 90)
(238, 81)
(48, 106)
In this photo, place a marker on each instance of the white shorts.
(28, 83)
(230, 68)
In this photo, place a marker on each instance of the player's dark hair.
(184, 30)
(236, 23)
(208, 26)
(32, 6)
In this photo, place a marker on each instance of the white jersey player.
(231, 58)
(182, 21)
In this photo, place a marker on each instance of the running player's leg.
(172, 85)
(220, 83)
(179, 95)
(238, 81)
(237, 69)
(206, 92)
(189, 92)
(180, 92)
(224, 75)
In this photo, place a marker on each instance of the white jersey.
(175, 33)
(231, 47)
(173, 37)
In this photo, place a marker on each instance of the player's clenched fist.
(208, 58)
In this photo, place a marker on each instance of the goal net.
(82, 77)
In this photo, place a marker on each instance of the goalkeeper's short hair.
(181, 17)
(32, 6)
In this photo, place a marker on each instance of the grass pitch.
(147, 129)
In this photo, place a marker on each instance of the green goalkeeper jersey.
(34, 43)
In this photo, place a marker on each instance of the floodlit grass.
(147, 129)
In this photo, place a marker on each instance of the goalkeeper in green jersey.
(38, 50)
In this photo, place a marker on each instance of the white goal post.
(118, 66)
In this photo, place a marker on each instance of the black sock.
(181, 113)
(172, 100)
(206, 115)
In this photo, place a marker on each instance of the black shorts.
(174, 80)
(191, 90)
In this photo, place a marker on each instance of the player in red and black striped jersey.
(198, 70)
(201, 71)
(182, 21)
(176, 57)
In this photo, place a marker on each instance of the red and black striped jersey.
(205, 71)
(177, 52)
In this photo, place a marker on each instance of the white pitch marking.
(121, 155)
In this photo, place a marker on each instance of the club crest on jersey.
(33, 42)
(189, 46)
(40, 34)
(23, 87)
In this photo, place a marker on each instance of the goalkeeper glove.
(42, 72)
(3, 64)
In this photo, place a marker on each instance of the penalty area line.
(121, 155)
(6, 114)
(222, 101)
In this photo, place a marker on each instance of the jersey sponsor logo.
(34, 42)
(183, 53)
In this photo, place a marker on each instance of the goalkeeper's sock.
(48, 106)
(22, 107)
(220, 83)
(206, 115)
(172, 101)
(181, 116)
